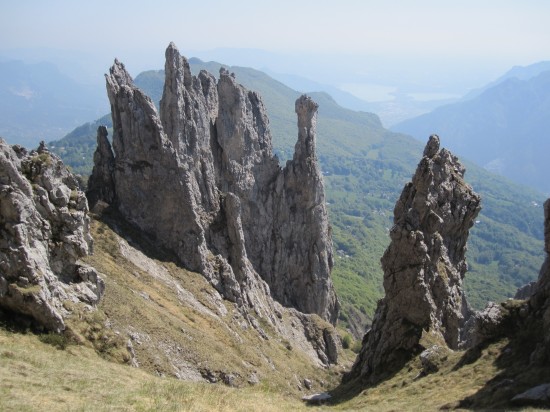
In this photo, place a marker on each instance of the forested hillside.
(38, 102)
(506, 129)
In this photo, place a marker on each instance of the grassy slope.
(37, 376)
(176, 331)
(365, 168)
(147, 298)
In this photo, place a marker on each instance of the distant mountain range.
(504, 127)
(518, 72)
(38, 102)
(365, 168)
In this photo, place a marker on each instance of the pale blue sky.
(375, 37)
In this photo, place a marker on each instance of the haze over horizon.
(371, 49)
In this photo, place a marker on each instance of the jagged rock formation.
(202, 179)
(44, 230)
(539, 303)
(424, 266)
(526, 291)
(100, 183)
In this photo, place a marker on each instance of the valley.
(365, 167)
(226, 282)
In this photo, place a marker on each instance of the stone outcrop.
(537, 396)
(424, 266)
(44, 231)
(100, 183)
(539, 303)
(526, 291)
(201, 178)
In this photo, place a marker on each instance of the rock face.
(201, 177)
(539, 303)
(526, 291)
(100, 183)
(537, 396)
(424, 266)
(44, 230)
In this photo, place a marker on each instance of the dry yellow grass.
(486, 378)
(38, 377)
(169, 327)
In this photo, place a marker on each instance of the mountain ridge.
(36, 96)
(363, 166)
(504, 128)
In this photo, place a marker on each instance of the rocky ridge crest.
(424, 266)
(201, 178)
(44, 230)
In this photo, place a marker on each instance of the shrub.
(54, 339)
(357, 345)
(347, 341)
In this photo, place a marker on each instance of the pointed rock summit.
(100, 184)
(424, 266)
(201, 177)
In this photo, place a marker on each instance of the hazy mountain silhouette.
(38, 102)
(504, 129)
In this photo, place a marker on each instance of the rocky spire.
(544, 277)
(303, 268)
(201, 177)
(424, 266)
(100, 184)
(539, 304)
(44, 230)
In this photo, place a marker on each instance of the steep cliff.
(424, 266)
(100, 183)
(44, 231)
(539, 303)
(202, 179)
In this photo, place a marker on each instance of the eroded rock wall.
(44, 231)
(202, 178)
(539, 303)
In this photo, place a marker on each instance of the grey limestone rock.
(432, 358)
(526, 291)
(44, 231)
(100, 184)
(539, 302)
(424, 266)
(536, 396)
(542, 288)
(201, 178)
(485, 324)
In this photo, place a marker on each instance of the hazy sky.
(365, 37)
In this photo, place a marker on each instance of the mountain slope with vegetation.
(38, 102)
(505, 129)
(156, 325)
(38, 375)
(365, 168)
